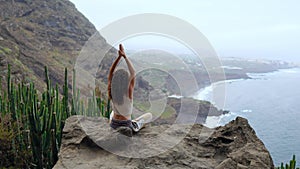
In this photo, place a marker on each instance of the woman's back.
(124, 109)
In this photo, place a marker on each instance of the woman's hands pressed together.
(121, 51)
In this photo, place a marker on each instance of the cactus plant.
(292, 164)
(37, 120)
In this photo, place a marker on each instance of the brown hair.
(119, 86)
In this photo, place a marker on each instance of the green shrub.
(5, 50)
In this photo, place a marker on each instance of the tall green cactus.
(66, 94)
(292, 164)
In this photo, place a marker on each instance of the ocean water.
(270, 102)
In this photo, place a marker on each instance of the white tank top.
(124, 109)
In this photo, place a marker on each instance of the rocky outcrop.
(90, 143)
(205, 107)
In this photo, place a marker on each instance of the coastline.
(251, 76)
(267, 102)
(206, 92)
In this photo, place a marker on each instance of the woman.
(120, 91)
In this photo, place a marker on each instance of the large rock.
(86, 143)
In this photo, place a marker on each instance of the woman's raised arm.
(131, 71)
(110, 75)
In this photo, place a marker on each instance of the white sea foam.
(212, 121)
(206, 93)
(294, 70)
(215, 121)
(246, 111)
(175, 96)
(226, 118)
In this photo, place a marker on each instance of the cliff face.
(35, 33)
(233, 146)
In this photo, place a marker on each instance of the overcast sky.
(235, 28)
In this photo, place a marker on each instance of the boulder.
(89, 143)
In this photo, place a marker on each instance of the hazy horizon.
(267, 29)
